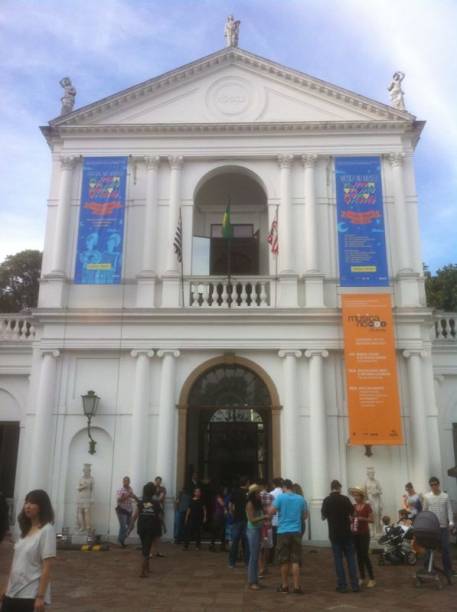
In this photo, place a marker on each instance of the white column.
(150, 214)
(166, 430)
(176, 164)
(290, 422)
(420, 453)
(42, 451)
(317, 424)
(59, 253)
(147, 278)
(285, 216)
(139, 431)
(311, 234)
(403, 245)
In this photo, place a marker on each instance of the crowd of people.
(254, 522)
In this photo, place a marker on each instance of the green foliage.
(441, 289)
(19, 281)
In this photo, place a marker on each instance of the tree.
(441, 289)
(19, 281)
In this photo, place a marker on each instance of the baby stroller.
(397, 547)
(427, 532)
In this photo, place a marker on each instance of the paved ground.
(201, 581)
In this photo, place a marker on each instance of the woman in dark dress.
(149, 524)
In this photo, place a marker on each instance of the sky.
(108, 45)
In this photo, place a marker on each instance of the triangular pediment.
(231, 86)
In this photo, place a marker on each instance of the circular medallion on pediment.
(232, 98)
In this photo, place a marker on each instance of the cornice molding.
(274, 127)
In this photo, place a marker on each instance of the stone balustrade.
(16, 327)
(240, 292)
(446, 326)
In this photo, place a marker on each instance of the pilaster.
(289, 429)
(139, 430)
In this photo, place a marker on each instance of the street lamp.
(90, 405)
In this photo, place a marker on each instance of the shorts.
(288, 548)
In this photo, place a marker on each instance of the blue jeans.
(344, 548)
(445, 552)
(238, 533)
(253, 536)
(124, 524)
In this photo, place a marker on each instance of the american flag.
(177, 242)
(272, 237)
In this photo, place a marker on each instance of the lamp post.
(90, 405)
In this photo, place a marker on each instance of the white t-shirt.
(277, 491)
(29, 553)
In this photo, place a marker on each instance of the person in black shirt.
(149, 524)
(237, 507)
(195, 518)
(338, 510)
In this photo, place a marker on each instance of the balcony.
(16, 328)
(218, 292)
(446, 326)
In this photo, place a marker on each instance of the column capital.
(316, 353)
(173, 352)
(137, 352)
(309, 160)
(289, 353)
(68, 162)
(396, 159)
(414, 352)
(285, 161)
(52, 352)
(152, 162)
(176, 161)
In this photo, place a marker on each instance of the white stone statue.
(85, 500)
(231, 32)
(68, 98)
(374, 495)
(396, 92)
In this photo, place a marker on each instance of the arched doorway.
(229, 422)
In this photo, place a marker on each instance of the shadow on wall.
(101, 468)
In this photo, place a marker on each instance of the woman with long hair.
(149, 523)
(256, 518)
(363, 516)
(28, 588)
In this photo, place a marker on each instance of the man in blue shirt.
(292, 509)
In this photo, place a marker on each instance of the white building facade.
(202, 371)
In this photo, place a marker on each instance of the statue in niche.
(85, 500)
(68, 98)
(374, 495)
(396, 92)
(231, 31)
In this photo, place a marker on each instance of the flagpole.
(182, 259)
(229, 270)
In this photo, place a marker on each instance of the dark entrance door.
(229, 426)
(9, 440)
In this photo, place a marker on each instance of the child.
(403, 520)
(195, 518)
(386, 524)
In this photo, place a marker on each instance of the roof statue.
(68, 98)
(396, 92)
(231, 31)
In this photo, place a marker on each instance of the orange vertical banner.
(371, 369)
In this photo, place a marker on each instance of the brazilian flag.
(227, 230)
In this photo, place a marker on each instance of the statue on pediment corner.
(396, 92)
(231, 31)
(68, 98)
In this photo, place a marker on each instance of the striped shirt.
(440, 505)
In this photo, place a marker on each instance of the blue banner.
(360, 222)
(101, 221)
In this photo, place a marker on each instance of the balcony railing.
(238, 292)
(446, 326)
(16, 327)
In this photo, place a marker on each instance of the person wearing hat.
(256, 518)
(362, 517)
